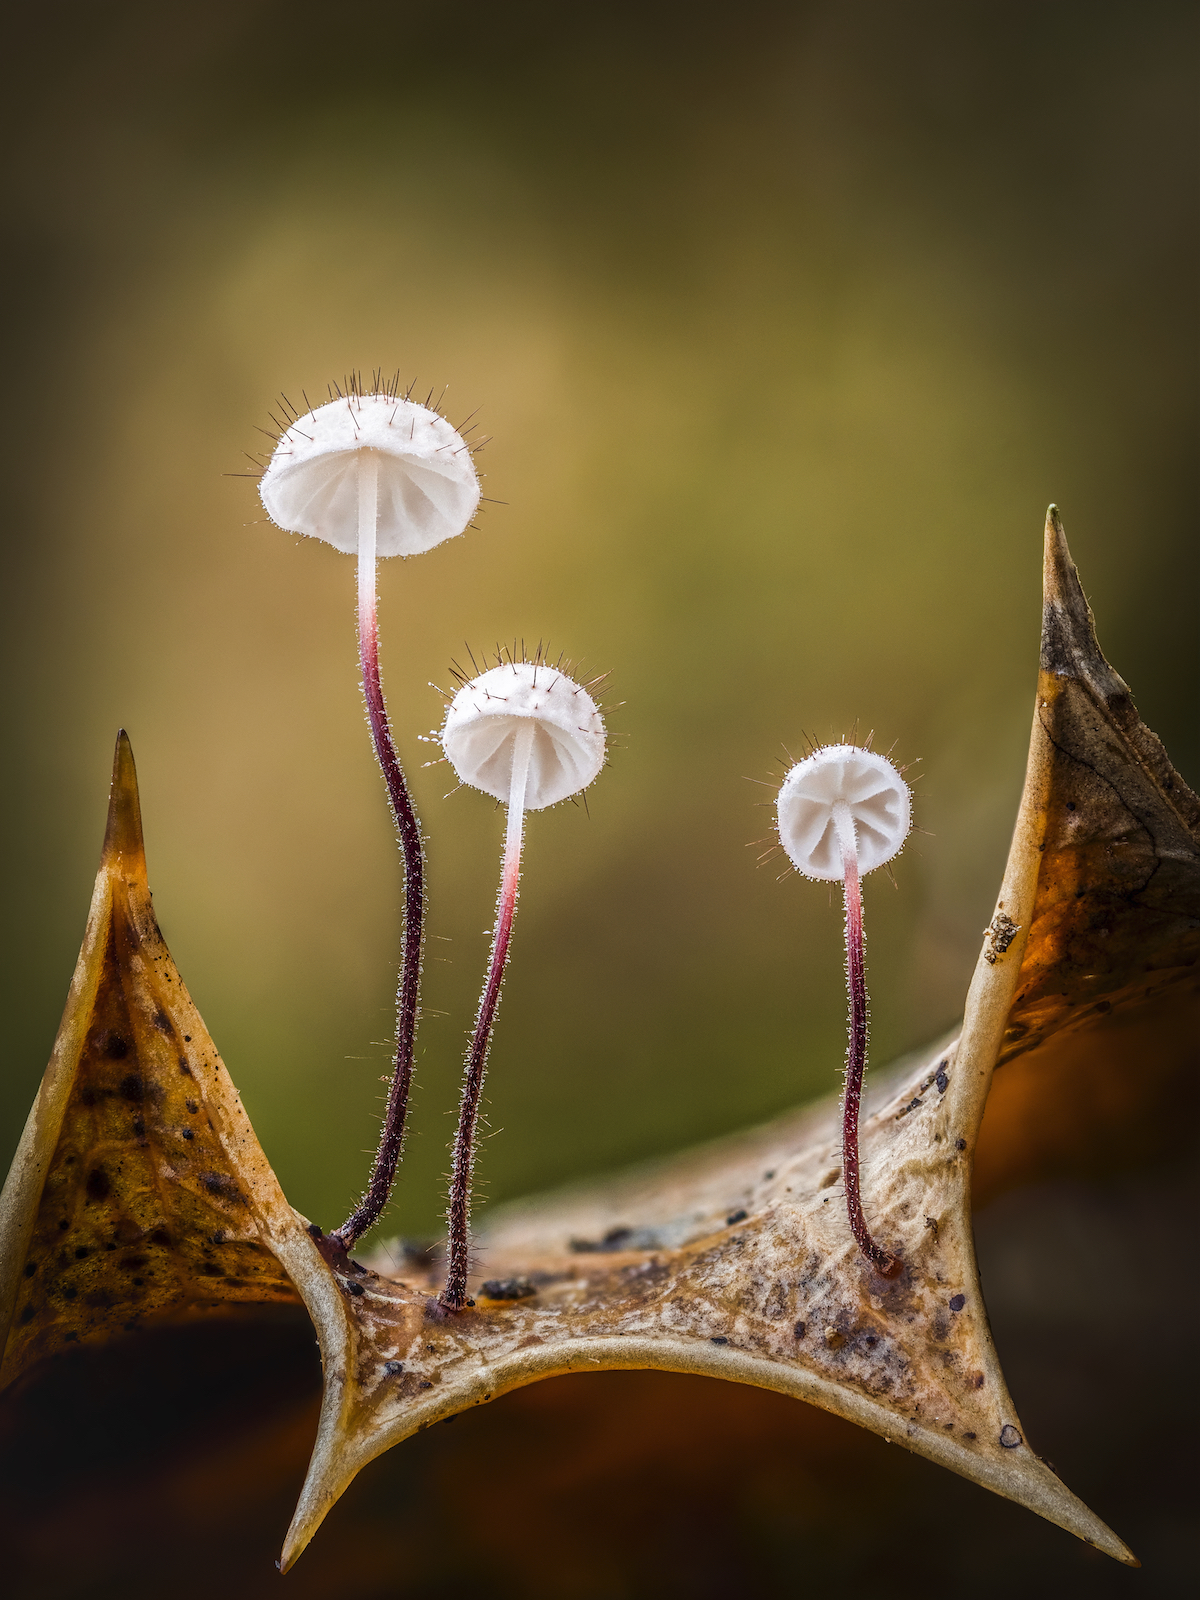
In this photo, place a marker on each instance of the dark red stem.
(454, 1295)
(856, 1061)
(391, 1139)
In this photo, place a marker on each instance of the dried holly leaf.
(138, 1192)
(738, 1261)
(735, 1261)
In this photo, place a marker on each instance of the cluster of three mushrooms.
(378, 474)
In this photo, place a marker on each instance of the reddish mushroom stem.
(454, 1295)
(391, 1138)
(856, 1049)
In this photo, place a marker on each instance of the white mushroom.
(376, 474)
(528, 735)
(842, 812)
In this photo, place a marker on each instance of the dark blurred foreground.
(170, 1464)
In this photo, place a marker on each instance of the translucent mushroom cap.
(428, 490)
(876, 798)
(480, 732)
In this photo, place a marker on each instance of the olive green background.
(787, 323)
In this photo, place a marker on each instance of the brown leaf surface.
(734, 1261)
(738, 1262)
(1117, 917)
(139, 1192)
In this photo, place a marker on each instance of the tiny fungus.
(843, 812)
(527, 734)
(375, 473)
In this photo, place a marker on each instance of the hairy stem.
(391, 1138)
(454, 1295)
(856, 1048)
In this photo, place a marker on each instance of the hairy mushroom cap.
(486, 715)
(874, 794)
(427, 486)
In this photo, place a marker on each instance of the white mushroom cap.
(874, 794)
(485, 716)
(427, 486)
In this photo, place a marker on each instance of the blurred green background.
(787, 322)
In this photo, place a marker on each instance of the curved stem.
(856, 1049)
(391, 1138)
(454, 1295)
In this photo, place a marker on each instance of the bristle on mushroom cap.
(484, 718)
(875, 795)
(428, 489)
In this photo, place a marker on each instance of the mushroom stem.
(454, 1295)
(856, 1048)
(391, 1139)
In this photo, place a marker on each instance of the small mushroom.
(377, 474)
(528, 735)
(843, 812)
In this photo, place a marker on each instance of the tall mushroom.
(377, 474)
(527, 734)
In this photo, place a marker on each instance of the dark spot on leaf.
(621, 1238)
(139, 1127)
(960, 1144)
(70, 1292)
(1009, 1437)
(221, 1183)
(163, 1022)
(63, 1224)
(354, 1288)
(800, 1330)
(734, 1216)
(767, 1176)
(718, 1339)
(941, 1080)
(188, 1134)
(97, 1186)
(132, 1087)
(393, 1368)
(27, 1314)
(160, 1236)
(192, 1106)
(114, 1047)
(133, 1263)
(30, 1268)
(187, 1038)
(957, 1302)
(210, 1269)
(1070, 805)
(424, 1384)
(183, 1067)
(81, 1252)
(508, 1288)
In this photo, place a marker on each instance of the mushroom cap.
(875, 794)
(427, 487)
(486, 714)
